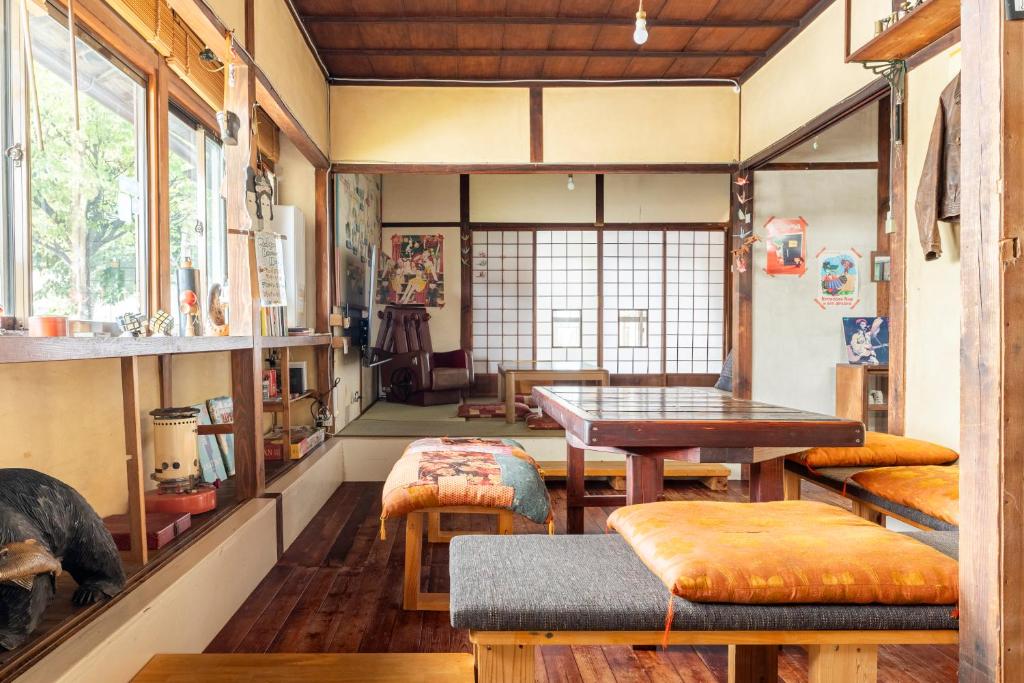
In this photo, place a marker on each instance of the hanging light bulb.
(640, 34)
(814, 144)
(571, 185)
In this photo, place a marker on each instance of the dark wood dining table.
(651, 424)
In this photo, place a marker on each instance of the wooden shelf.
(321, 339)
(276, 405)
(917, 30)
(36, 349)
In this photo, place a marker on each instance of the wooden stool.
(412, 597)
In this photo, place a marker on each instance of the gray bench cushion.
(597, 583)
(834, 477)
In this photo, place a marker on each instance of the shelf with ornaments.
(908, 30)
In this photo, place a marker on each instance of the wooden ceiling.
(546, 39)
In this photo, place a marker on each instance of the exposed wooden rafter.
(622, 54)
(310, 19)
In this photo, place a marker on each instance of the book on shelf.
(303, 440)
(272, 321)
(300, 331)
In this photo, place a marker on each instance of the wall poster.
(787, 246)
(414, 272)
(357, 226)
(839, 277)
(270, 268)
(867, 340)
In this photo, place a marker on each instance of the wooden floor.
(338, 588)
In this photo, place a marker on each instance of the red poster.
(787, 246)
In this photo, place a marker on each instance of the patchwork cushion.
(448, 472)
(472, 410)
(934, 490)
(783, 552)
(595, 582)
(542, 421)
(879, 450)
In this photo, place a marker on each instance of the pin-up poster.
(839, 277)
(787, 246)
(415, 272)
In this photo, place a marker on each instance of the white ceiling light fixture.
(640, 34)
(571, 185)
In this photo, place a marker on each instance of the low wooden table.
(543, 371)
(696, 424)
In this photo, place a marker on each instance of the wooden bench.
(864, 503)
(713, 475)
(311, 667)
(517, 593)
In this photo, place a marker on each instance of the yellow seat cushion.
(879, 450)
(783, 552)
(934, 490)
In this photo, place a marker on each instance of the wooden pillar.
(842, 664)
(992, 334)
(898, 285)
(247, 400)
(159, 201)
(139, 552)
(754, 664)
(742, 294)
(505, 663)
(466, 265)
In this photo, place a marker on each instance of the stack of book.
(272, 321)
(303, 440)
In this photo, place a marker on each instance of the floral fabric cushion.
(783, 552)
(471, 410)
(934, 490)
(879, 450)
(448, 472)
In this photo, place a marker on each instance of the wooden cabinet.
(862, 393)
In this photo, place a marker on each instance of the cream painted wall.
(430, 125)
(232, 15)
(65, 418)
(803, 80)
(842, 142)
(445, 322)
(796, 343)
(527, 198)
(431, 198)
(282, 54)
(641, 125)
(680, 198)
(863, 14)
(933, 287)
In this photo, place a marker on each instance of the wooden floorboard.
(338, 588)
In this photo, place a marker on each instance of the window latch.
(200, 228)
(16, 153)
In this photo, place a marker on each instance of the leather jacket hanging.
(938, 196)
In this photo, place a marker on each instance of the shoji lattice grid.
(633, 280)
(567, 284)
(502, 297)
(695, 301)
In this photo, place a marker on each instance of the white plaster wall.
(796, 343)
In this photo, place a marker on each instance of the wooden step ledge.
(713, 475)
(319, 667)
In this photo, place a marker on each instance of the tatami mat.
(396, 419)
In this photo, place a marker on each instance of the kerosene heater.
(180, 486)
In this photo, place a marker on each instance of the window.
(695, 299)
(502, 297)
(197, 207)
(88, 207)
(566, 329)
(632, 329)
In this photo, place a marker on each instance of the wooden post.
(575, 489)
(505, 663)
(992, 334)
(842, 664)
(133, 448)
(285, 359)
(413, 559)
(159, 205)
(247, 399)
(790, 485)
(754, 664)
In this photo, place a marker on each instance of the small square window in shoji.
(502, 298)
(633, 285)
(695, 301)
(567, 295)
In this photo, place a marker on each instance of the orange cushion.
(783, 552)
(934, 490)
(879, 450)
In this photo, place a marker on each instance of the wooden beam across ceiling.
(546, 21)
(622, 54)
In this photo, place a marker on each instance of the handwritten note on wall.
(270, 268)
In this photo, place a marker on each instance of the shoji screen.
(567, 300)
(502, 297)
(633, 301)
(695, 301)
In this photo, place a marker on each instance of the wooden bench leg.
(753, 663)
(790, 485)
(865, 512)
(413, 560)
(434, 533)
(505, 522)
(504, 663)
(842, 663)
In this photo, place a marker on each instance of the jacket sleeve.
(929, 191)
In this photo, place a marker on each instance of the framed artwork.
(786, 245)
(414, 273)
(867, 340)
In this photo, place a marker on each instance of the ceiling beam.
(547, 20)
(625, 54)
